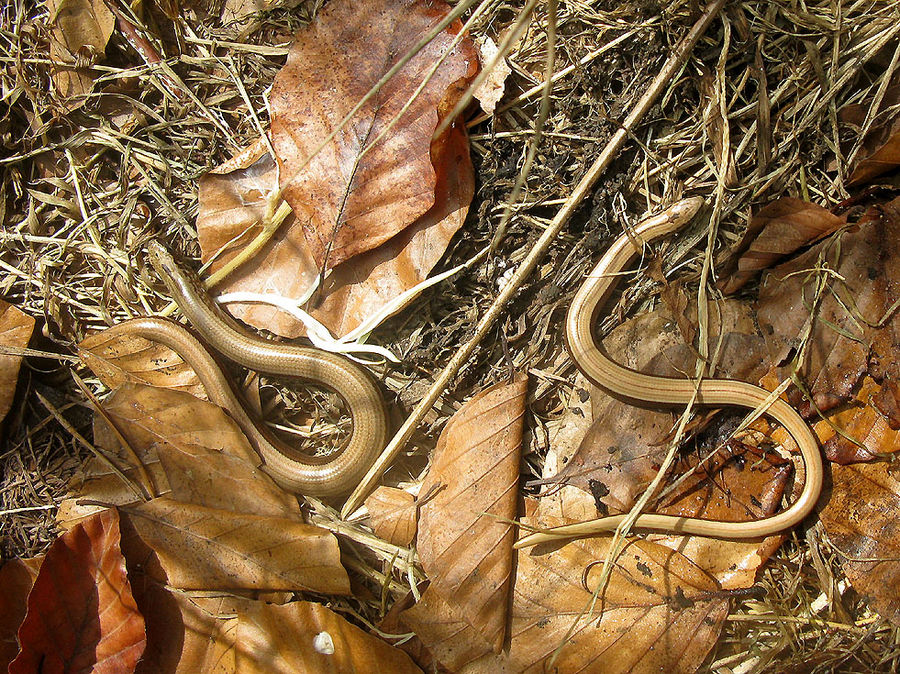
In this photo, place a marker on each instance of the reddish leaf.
(81, 614)
(781, 228)
(16, 579)
(348, 202)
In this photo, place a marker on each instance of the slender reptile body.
(329, 477)
(627, 383)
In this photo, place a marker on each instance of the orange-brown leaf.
(465, 539)
(79, 28)
(81, 614)
(660, 612)
(779, 229)
(392, 514)
(15, 331)
(880, 150)
(209, 548)
(307, 637)
(349, 200)
(861, 520)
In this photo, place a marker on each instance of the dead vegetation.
(752, 116)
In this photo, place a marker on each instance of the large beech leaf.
(233, 203)
(307, 637)
(81, 614)
(852, 333)
(861, 520)
(348, 201)
(202, 548)
(15, 331)
(779, 229)
(659, 612)
(465, 539)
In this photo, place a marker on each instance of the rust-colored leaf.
(880, 151)
(232, 205)
(348, 199)
(852, 332)
(307, 637)
(660, 612)
(208, 548)
(79, 32)
(122, 358)
(779, 229)
(15, 331)
(465, 539)
(81, 614)
(16, 579)
(392, 514)
(861, 520)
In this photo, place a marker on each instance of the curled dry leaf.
(81, 614)
(307, 637)
(349, 197)
(233, 204)
(779, 229)
(465, 536)
(845, 286)
(16, 579)
(880, 150)
(15, 332)
(208, 548)
(78, 37)
(860, 518)
(659, 612)
(392, 514)
(491, 90)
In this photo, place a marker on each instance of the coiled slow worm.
(627, 383)
(326, 477)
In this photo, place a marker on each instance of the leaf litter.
(76, 210)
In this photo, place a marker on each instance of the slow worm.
(621, 381)
(326, 477)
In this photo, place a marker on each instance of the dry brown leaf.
(307, 637)
(122, 358)
(81, 614)
(659, 613)
(491, 90)
(465, 537)
(187, 634)
(847, 340)
(78, 37)
(15, 332)
(779, 229)
(16, 578)
(232, 205)
(190, 448)
(348, 201)
(207, 549)
(860, 432)
(393, 514)
(860, 518)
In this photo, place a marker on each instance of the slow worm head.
(621, 381)
(331, 476)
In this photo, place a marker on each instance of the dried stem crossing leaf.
(15, 331)
(350, 198)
